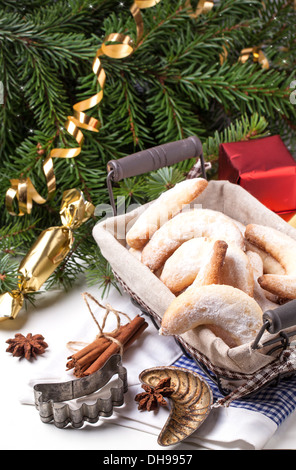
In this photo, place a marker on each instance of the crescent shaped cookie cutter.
(49, 397)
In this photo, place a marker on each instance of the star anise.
(153, 396)
(26, 346)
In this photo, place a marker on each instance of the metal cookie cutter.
(48, 397)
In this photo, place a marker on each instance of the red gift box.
(265, 168)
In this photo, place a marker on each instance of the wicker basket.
(254, 364)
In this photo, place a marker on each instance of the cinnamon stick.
(88, 358)
(90, 352)
(79, 370)
(90, 347)
(124, 337)
(93, 349)
(135, 336)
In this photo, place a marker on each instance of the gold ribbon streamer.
(47, 253)
(116, 46)
(256, 52)
(223, 55)
(258, 56)
(203, 6)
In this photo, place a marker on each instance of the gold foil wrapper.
(46, 254)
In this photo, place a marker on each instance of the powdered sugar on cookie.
(168, 204)
(194, 223)
(229, 308)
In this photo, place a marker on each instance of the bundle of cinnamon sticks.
(93, 356)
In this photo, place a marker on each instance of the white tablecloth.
(63, 317)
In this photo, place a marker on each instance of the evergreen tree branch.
(172, 86)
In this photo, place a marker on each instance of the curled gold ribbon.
(256, 52)
(116, 46)
(24, 191)
(223, 55)
(47, 253)
(258, 56)
(202, 7)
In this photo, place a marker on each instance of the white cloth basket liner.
(151, 293)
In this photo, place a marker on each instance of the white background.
(20, 426)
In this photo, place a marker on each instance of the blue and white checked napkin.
(246, 424)
(276, 402)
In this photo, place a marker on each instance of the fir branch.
(243, 129)
(130, 190)
(239, 86)
(15, 235)
(99, 273)
(172, 86)
(162, 180)
(8, 273)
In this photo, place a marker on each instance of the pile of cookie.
(224, 275)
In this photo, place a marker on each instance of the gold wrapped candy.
(46, 254)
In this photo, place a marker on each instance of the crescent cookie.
(281, 246)
(270, 265)
(225, 307)
(163, 209)
(193, 223)
(282, 286)
(210, 272)
(186, 264)
(180, 269)
(283, 249)
(237, 270)
(265, 299)
(239, 225)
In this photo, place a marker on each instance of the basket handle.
(152, 159)
(281, 317)
(278, 319)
